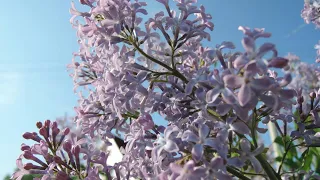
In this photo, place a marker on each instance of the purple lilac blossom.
(125, 72)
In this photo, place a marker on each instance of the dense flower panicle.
(215, 103)
(311, 12)
(59, 154)
(317, 47)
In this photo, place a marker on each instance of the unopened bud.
(28, 166)
(47, 123)
(312, 95)
(58, 160)
(28, 135)
(300, 99)
(62, 176)
(278, 62)
(67, 146)
(43, 132)
(76, 150)
(39, 125)
(24, 147)
(27, 154)
(66, 131)
(54, 125)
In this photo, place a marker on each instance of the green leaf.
(307, 162)
(279, 141)
(293, 153)
(278, 159)
(297, 115)
(265, 150)
(304, 154)
(213, 113)
(202, 63)
(291, 163)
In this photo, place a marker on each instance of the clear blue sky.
(37, 41)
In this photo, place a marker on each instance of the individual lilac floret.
(201, 140)
(302, 132)
(311, 12)
(247, 154)
(146, 121)
(317, 47)
(187, 172)
(55, 151)
(166, 143)
(218, 169)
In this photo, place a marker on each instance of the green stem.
(174, 71)
(237, 173)
(253, 132)
(284, 156)
(268, 168)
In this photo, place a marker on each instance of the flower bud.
(66, 131)
(43, 132)
(62, 176)
(58, 160)
(28, 135)
(24, 147)
(67, 146)
(278, 62)
(146, 121)
(312, 95)
(39, 125)
(28, 166)
(28, 155)
(85, 2)
(47, 123)
(55, 131)
(54, 125)
(76, 150)
(300, 99)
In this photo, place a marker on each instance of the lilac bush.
(215, 104)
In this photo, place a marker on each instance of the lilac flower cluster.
(125, 72)
(311, 12)
(59, 154)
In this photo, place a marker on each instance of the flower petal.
(240, 127)
(189, 87)
(223, 109)
(240, 61)
(244, 94)
(248, 44)
(233, 81)
(175, 168)
(213, 94)
(203, 131)
(235, 161)
(278, 62)
(228, 96)
(190, 136)
(197, 152)
(171, 146)
(245, 145)
(266, 47)
(257, 151)
(256, 164)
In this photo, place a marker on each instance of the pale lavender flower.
(247, 154)
(201, 140)
(188, 172)
(311, 13)
(317, 47)
(166, 143)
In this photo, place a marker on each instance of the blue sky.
(37, 42)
